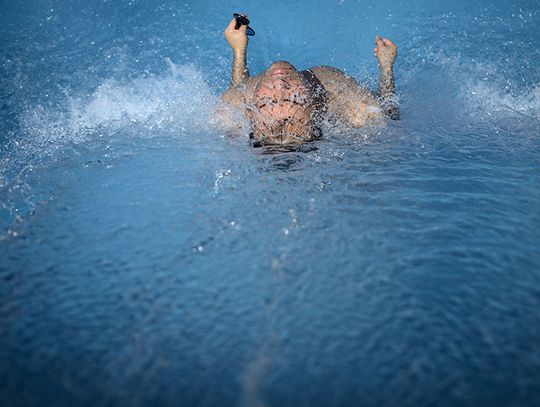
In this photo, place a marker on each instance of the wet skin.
(286, 106)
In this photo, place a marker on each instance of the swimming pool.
(148, 259)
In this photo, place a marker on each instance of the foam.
(489, 88)
(495, 100)
(176, 100)
(174, 103)
(478, 90)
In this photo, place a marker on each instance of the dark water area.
(146, 258)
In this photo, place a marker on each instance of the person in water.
(287, 106)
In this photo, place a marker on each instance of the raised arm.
(386, 52)
(230, 113)
(237, 39)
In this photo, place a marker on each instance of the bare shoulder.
(325, 72)
(337, 81)
(348, 100)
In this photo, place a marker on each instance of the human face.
(283, 108)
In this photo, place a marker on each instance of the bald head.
(285, 107)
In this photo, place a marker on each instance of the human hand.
(385, 51)
(237, 39)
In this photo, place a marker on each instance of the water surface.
(146, 258)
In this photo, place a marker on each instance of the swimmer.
(287, 106)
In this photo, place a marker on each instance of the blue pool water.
(148, 259)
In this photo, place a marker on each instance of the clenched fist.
(237, 39)
(386, 52)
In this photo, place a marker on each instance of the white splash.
(176, 100)
(494, 100)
